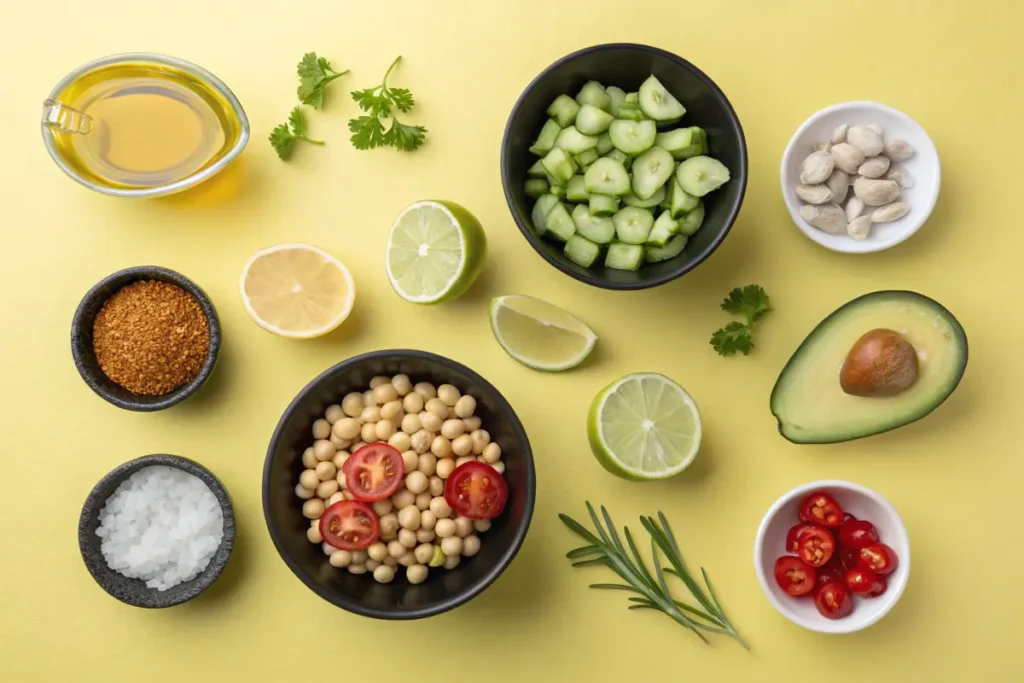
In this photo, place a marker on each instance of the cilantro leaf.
(401, 99)
(297, 122)
(371, 101)
(751, 302)
(732, 338)
(367, 132)
(404, 138)
(283, 137)
(382, 102)
(315, 73)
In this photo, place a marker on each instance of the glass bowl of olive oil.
(142, 125)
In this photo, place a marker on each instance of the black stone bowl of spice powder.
(145, 338)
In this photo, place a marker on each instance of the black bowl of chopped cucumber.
(623, 165)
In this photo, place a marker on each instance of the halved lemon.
(538, 334)
(297, 290)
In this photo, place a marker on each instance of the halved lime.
(435, 251)
(644, 426)
(538, 334)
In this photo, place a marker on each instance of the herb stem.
(384, 83)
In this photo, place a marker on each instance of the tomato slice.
(350, 525)
(831, 572)
(865, 583)
(793, 576)
(791, 538)
(476, 490)
(857, 534)
(879, 558)
(821, 508)
(816, 546)
(373, 472)
(833, 601)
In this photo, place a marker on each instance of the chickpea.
(416, 482)
(441, 447)
(340, 478)
(334, 413)
(481, 525)
(309, 458)
(411, 461)
(412, 403)
(407, 538)
(357, 568)
(359, 557)
(427, 520)
(420, 441)
(451, 429)
(451, 562)
(383, 507)
(449, 394)
(392, 410)
(384, 574)
(396, 549)
(337, 497)
(385, 393)
(463, 445)
(339, 444)
(328, 549)
(368, 398)
(463, 460)
(378, 551)
(346, 428)
(465, 407)
(416, 574)
(436, 406)
(324, 450)
(423, 500)
(423, 553)
(339, 459)
(371, 565)
(452, 545)
(431, 422)
(463, 526)
(388, 526)
(313, 535)
(403, 498)
(409, 517)
(499, 467)
(400, 441)
(407, 560)
(424, 535)
(326, 489)
(356, 445)
(370, 414)
(321, 429)
(470, 545)
(309, 479)
(326, 470)
(445, 528)
(440, 507)
(391, 561)
(480, 439)
(427, 464)
(411, 423)
(492, 453)
(379, 381)
(385, 429)
(341, 558)
(436, 485)
(302, 492)
(368, 432)
(445, 468)
(352, 404)
(426, 390)
(472, 423)
(313, 508)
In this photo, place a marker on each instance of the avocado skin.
(866, 299)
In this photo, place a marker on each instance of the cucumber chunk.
(630, 112)
(540, 212)
(666, 203)
(632, 137)
(664, 228)
(575, 191)
(559, 223)
(651, 170)
(604, 144)
(633, 225)
(563, 110)
(557, 190)
(654, 200)
(593, 121)
(593, 94)
(571, 140)
(606, 176)
(582, 251)
(658, 103)
(535, 187)
(603, 205)
(673, 248)
(624, 256)
(560, 165)
(599, 229)
(632, 98)
(620, 157)
(681, 143)
(691, 222)
(682, 201)
(700, 175)
(546, 139)
(537, 170)
(587, 157)
(617, 97)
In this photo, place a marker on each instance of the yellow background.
(955, 477)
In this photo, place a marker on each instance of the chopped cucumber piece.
(599, 229)
(624, 256)
(681, 143)
(700, 175)
(587, 157)
(604, 144)
(632, 137)
(633, 225)
(546, 139)
(593, 94)
(632, 98)
(603, 205)
(593, 121)
(658, 103)
(563, 110)
(703, 139)
(617, 96)
(571, 140)
(582, 251)
(537, 170)
(682, 201)
(535, 187)
(654, 200)
(607, 176)
(540, 212)
(691, 222)
(557, 190)
(630, 112)
(651, 170)
(559, 223)
(666, 203)
(673, 248)
(663, 230)
(620, 157)
(560, 165)
(575, 191)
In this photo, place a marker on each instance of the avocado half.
(808, 401)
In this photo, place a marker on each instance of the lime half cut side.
(644, 426)
(540, 335)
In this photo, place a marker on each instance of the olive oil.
(149, 124)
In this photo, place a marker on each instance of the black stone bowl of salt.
(135, 591)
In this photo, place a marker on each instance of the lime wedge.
(644, 426)
(538, 334)
(435, 251)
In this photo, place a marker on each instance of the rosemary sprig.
(652, 591)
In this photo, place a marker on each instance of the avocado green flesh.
(810, 405)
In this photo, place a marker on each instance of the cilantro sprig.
(283, 137)
(382, 102)
(750, 302)
(315, 73)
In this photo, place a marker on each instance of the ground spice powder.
(151, 337)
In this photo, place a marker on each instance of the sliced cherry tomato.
(793, 576)
(865, 583)
(857, 534)
(831, 572)
(791, 544)
(374, 472)
(476, 490)
(833, 601)
(350, 525)
(816, 546)
(879, 558)
(848, 557)
(821, 508)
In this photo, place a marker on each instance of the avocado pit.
(881, 363)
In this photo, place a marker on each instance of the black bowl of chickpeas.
(398, 484)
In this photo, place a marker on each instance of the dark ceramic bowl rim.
(588, 278)
(95, 501)
(129, 275)
(456, 599)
